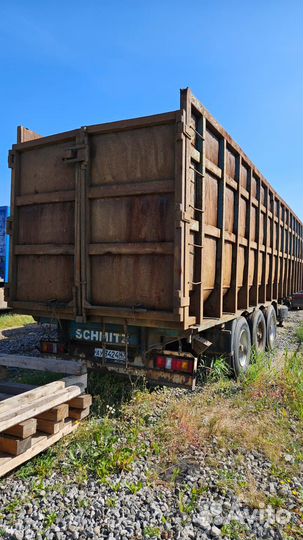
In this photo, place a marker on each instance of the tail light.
(171, 363)
(52, 347)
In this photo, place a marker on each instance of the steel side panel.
(43, 234)
(115, 237)
(130, 236)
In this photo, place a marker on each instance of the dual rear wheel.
(257, 331)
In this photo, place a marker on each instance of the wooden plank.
(81, 402)
(39, 444)
(56, 414)
(47, 426)
(26, 398)
(24, 429)
(57, 365)
(78, 414)
(13, 445)
(131, 248)
(17, 415)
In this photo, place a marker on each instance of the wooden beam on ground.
(47, 426)
(78, 414)
(24, 429)
(56, 414)
(14, 445)
(81, 402)
(55, 365)
(39, 444)
(17, 414)
(32, 395)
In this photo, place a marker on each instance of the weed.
(42, 466)
(234, 530)
(219, 370)
(83, 503)
(135, 488)
(152, 532)
(275, 501)
(37, 487)
(110, 391)
(111, 502)
(13, 505)
(50, 520)
(175, 474)
(189, 498)
(293, 383)
(299, 334)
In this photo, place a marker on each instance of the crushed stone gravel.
(129, 507)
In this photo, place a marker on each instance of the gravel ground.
(202, 504)
(25, 340)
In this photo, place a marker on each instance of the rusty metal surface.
(156, 221)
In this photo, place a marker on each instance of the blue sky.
(70, 63)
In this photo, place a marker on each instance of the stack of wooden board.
(33, 418)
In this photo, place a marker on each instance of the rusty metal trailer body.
(160, 223)
(4, 250)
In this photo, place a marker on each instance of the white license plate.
(109, 354)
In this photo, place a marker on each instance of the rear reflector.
(52, 347)
(185, 365)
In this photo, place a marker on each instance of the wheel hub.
(243, 349)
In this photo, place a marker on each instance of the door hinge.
(76, 153)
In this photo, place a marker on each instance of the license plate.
(111, 355)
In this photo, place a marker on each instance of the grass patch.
(37, 378)
(15, 321)
(299, 334)
(111, 391)
(262, 412)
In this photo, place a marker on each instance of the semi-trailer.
(152, 242)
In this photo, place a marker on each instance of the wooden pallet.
(32, 418)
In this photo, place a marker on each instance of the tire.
(241, 346)
(271, 327)
(257, 325)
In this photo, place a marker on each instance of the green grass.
(263, 411)
(15, 321)
(299, 334)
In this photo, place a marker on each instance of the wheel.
(257, 325)
(271, 327)
(240, 345)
